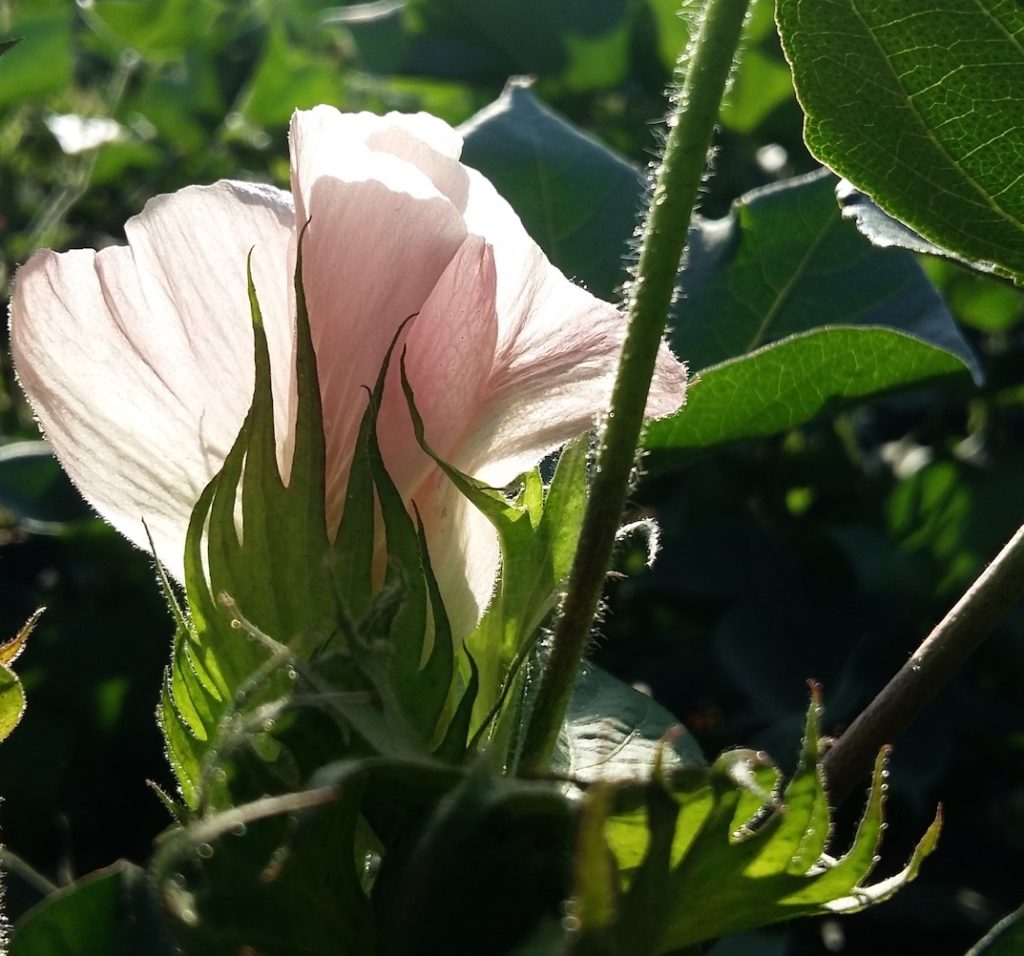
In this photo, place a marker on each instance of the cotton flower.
(138, 359)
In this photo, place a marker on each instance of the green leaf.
(492, 845)
(1006, 938)
(789, 313)
(35, 490)
(784, 261)
(921, 110)
(37, 59)
(12, 701)
(614, 733)
(12, 694)
(287, 78)
(675, 26)
(161, 30)
(279, 875)
(577, 199)
(795, 380)
(762, 82)
(702, 852)
(111, 912)
(736, 879)
(583, 46)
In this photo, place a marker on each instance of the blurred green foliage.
(826, 551)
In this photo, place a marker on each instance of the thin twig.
(930, 668)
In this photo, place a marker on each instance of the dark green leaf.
(920, 108)
(1005, 939)
(109, 913)
(788, 313)
(35, 489)
(577, 199)
(490, 841)
(585, 45)
(783, 262)
(280, 875)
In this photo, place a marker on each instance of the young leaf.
(12, 694)
(739, 853)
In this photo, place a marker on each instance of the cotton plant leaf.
(12, 694)
(787, 313)
(796, 380)
(921, 110)
(12, 701)
(35, 489)
(583, 47)
(111, 912)
(732, 850)
(575, 196)
(612, 732)
(37, 59)
(285, 871)
(489, 841)
(784, 261)
(1006, 938)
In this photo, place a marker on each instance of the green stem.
(706, 66)
(929, 669)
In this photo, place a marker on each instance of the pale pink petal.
(138, 360)
(556, 353)
(449, 355)
(380, 237)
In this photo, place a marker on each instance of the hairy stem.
(703, 72)
(929, 669)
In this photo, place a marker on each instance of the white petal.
(138, 360)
